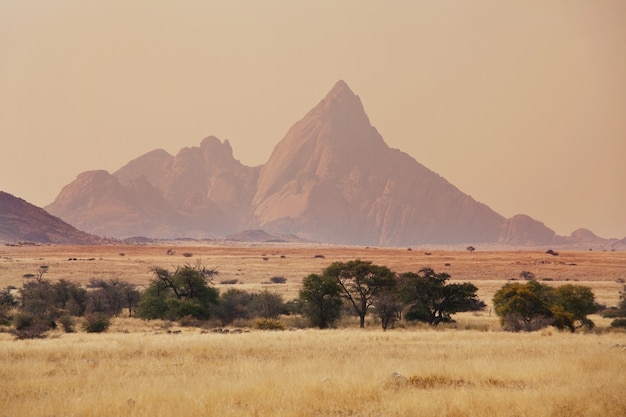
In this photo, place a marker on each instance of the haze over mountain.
(23, 222)
(332, 178)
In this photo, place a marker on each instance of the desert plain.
(470, 368)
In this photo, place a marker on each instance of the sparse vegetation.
(539, 374)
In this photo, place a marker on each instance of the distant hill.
(22, 222)
(332, 179)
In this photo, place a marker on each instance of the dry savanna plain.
(470, 368)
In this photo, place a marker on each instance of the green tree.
(531, 306)
(186, 291)
(570, 306)
(432, 300)
(523, 307)
(321, 300)
(361, 282)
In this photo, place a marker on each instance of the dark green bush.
(619, 323)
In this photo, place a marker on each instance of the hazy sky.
(520, 104)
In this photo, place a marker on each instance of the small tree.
(233, 305)
(267, 305)
(321, 300)
(570, 306)
(532, 306)
(184, 292)
(432, 300)
(388, 306)
(361, 282)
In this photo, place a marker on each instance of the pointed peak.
(341, 87)
(341, 92)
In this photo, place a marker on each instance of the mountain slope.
(21, 221)
(333, 178)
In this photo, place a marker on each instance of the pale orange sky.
(522, 104)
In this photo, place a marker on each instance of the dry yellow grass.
(313, 373)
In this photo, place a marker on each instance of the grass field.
(469, 369)
(345, 372)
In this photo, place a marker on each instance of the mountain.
(21, 221)
(332, 178)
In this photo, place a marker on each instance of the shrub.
(278, 280)
(23, 320)
(269, 324)
(190, 321)
(187, 254)
(67, 323)
(28, 326)
(96, 323)
(619, 323)
(229, 281)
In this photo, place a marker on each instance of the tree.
(112, 296)
(234, 305)
(531, 306)
(361, 282)
(523, 307)
(321, 300)
(388, 306)
(570, 306)
(432, 300)
(267, 305)
(184, 292)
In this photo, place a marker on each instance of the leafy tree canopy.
(186, 291)
(361, 282)
(531, 306)
(431, 299)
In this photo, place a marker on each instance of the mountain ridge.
(332, 178)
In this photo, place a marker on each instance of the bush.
(619, 323)
(96, 323)
(23, 320)
(229, 281)
(269, 324)
(67, 323)
(28, 326)
(278, 280)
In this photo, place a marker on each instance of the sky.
(521, 105)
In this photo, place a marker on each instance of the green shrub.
(96, 323)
